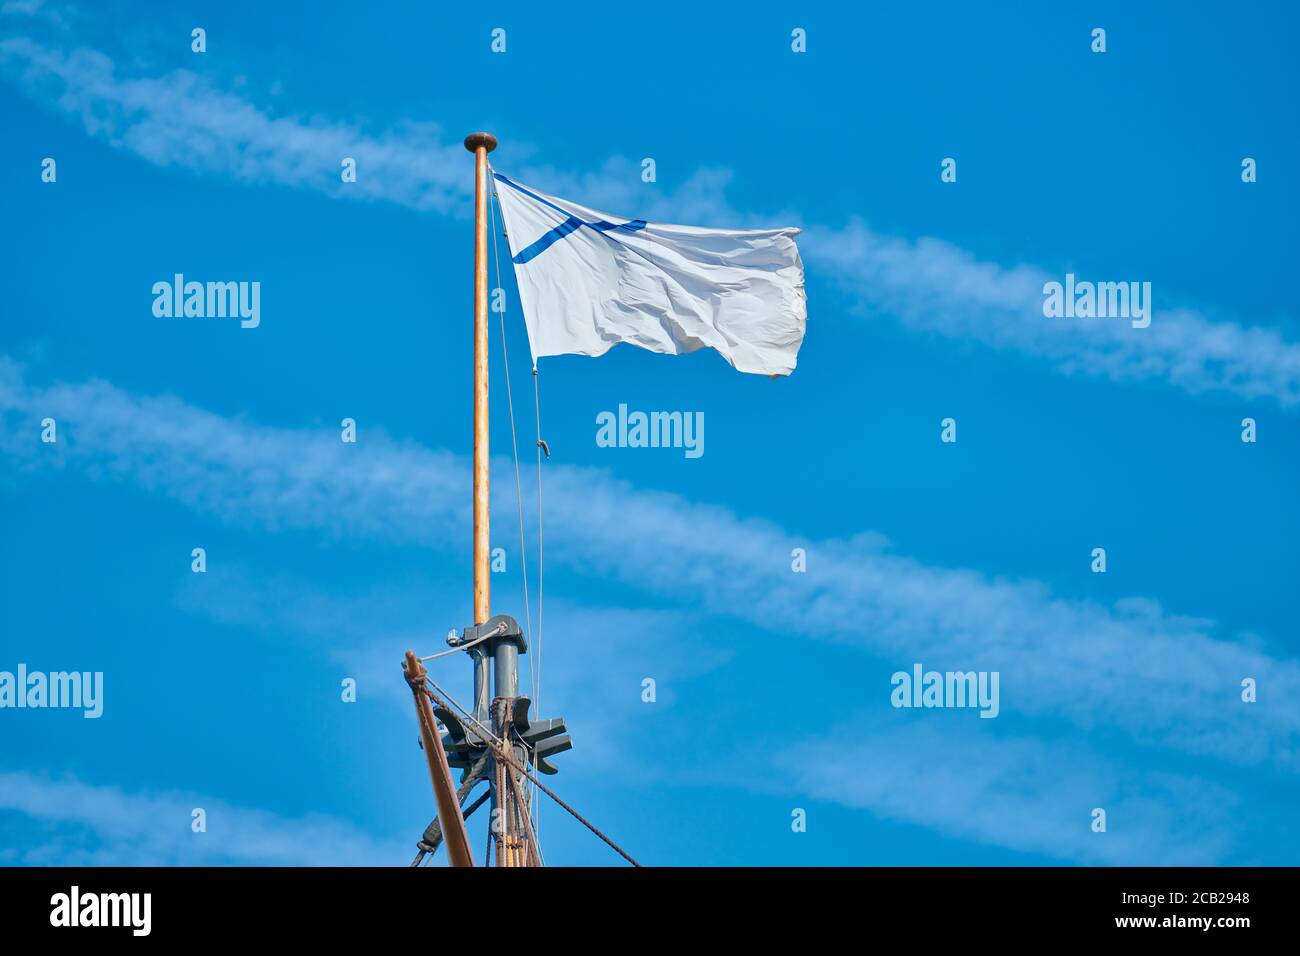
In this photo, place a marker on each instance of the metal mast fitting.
(531, 741)
(544, 738)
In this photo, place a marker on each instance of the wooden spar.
(480, 144)
(453, 824)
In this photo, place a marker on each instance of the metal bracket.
(541, 738)
(499, 628)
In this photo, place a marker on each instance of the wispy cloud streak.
(182, 119)
(1131, 670)
(1162, 678)
(935, 286)
(1029, 794)
(100, 825)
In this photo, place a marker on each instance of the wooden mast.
(480, 144)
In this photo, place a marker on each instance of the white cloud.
(593, 660)
(1133, 671)
(1037, 796)
(934, 286)
(182, 119)
(1163, 679)
(100, 825)
(22, 7)
(1158, 679)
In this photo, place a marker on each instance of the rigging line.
(574, 813)
(534, 662)
(514, 441)
(503, 753)
(521, 808)
(530, 809)
(537, 411)
(462, 647)
(483, 731)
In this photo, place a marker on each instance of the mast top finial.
(474, 140)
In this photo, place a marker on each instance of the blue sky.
(1118, 690)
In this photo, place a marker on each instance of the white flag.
(589, 280)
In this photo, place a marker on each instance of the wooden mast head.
(474, 140)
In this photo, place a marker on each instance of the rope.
(537, 410)
(503, 748)
(514, 442)
(534, 662)
(521, 809)
(484, 732)
(532, 811)
(572, 812)
(462, 647)
(541, 446)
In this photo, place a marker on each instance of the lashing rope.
(502, 750)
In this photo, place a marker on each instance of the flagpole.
(504, 824)
(480, 144)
